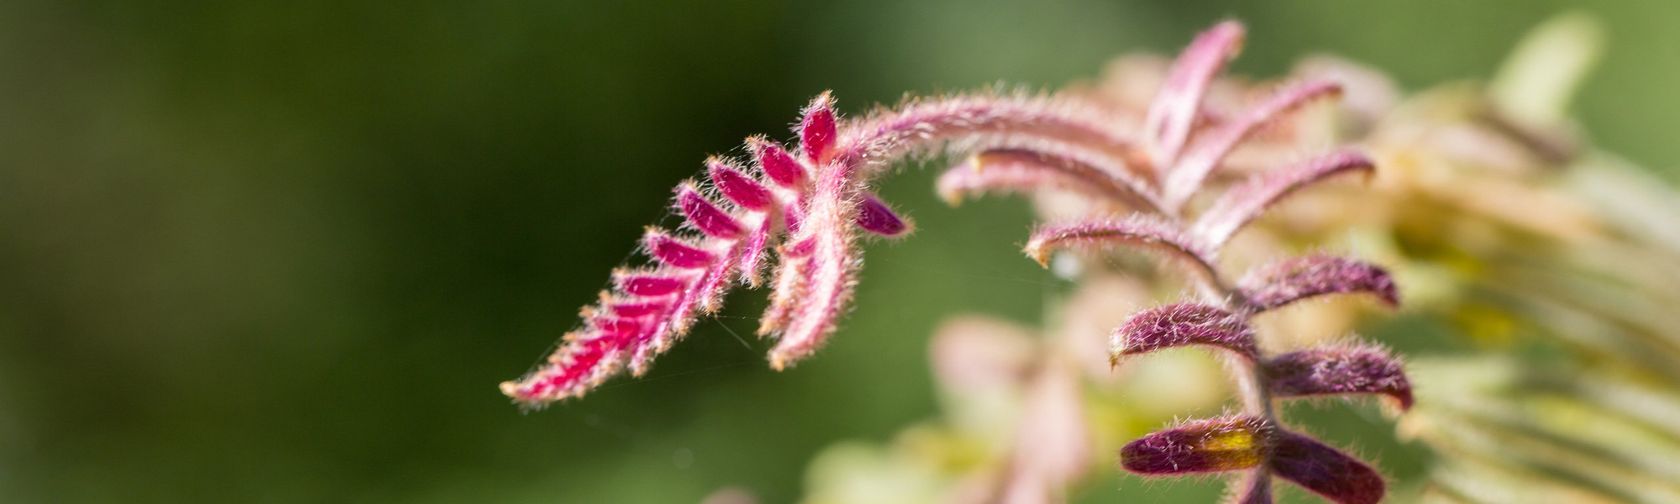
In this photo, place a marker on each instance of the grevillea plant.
(1140, 170)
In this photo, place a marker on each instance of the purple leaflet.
(1246, 201)
(1186, 175)
(675, 252)
(874, 216)
(1025, 170)
(1296, 278)
(779, 166)
(705, 215)
(610, 325)
(1200, 446)
(634, 309)
(1324, 470)
(1137, 230)
(737, 186)
(1339, 371)
(1183, 324)
(817, 130)
(647, 283)
(1176, 104)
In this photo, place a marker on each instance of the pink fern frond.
(650, 307)
(702, 296)
(1245, 202)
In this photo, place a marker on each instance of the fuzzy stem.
(1256, 392)
(1252, 383)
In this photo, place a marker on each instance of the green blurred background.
(284, 251)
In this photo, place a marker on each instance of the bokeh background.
(283, 251)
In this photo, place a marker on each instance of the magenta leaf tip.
(818, 129)
(876, 217)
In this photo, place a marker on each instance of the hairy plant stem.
(1249, 375)
(1251, 381)
(1257, 401)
